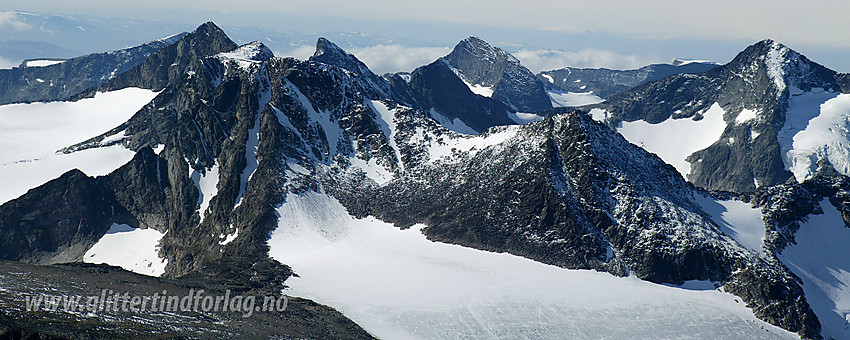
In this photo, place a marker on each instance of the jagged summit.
(325, 46)
(329, 53)
(479, 48)
(784, 66)
(495, 73)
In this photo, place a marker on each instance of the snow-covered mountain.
(604, 83)
(495, 73)
(753, 122)
(474, 87)
(245, 164)
(56, 79)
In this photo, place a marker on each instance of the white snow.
(207, 184)
(136, 250)
(598, 115)
(675, 139)
(682, 62)
(246, 55)
(478, 89)
(548, 77)
(373, 170)
(455, 125)
(385, 119)
(253, 141)
(467, 144)
(745, 116)
(398, 285)
(112, 139)
(825, 136)
(522, 118)
(43, 62)
(158, 148)
(229, 238)
(572, 99)
(820, 258)
(776, 63)
(737, 219)
(32, 133)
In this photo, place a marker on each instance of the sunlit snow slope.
(32, 133)
(674, 139)
(133, 249)
(571, 99)
(820, 259)
(398, 285)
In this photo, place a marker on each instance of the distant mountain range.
(749, 115)
(243, 163)
(606, 83)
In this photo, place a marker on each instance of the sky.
(543, 34)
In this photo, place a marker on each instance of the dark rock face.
(58, 221)
(606, 83)
(329, 53)
(64, 80)
(513, 84)
(170, 63)
(439, 88)
(747, 82)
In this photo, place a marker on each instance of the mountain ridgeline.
(61, 81)
(566, 190)
(761, 89)
(606, 83)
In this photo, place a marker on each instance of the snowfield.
(820, 259)
(816, 128)
(42, 62)
(673, 139)
(737, 219)
(136, 250)
(32, 133)
(398, 285)
(571, 99)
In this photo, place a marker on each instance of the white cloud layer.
(397, 58)
(382, 58)
(545, 60)
(10, 19)
(6, 63)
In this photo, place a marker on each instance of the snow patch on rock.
(136, 250)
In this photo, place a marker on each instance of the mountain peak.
(325, 46)
(476, 47)
(329, 53)
(209, 28)
(495, 73)
(209, 39)
(784, 66)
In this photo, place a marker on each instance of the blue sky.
(619, 34)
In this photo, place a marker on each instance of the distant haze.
(626, 34)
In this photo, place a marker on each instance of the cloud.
(544, 60)
(396, 58)
(301, 52)
(382, 58)
(6, 63)
(11, 20)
